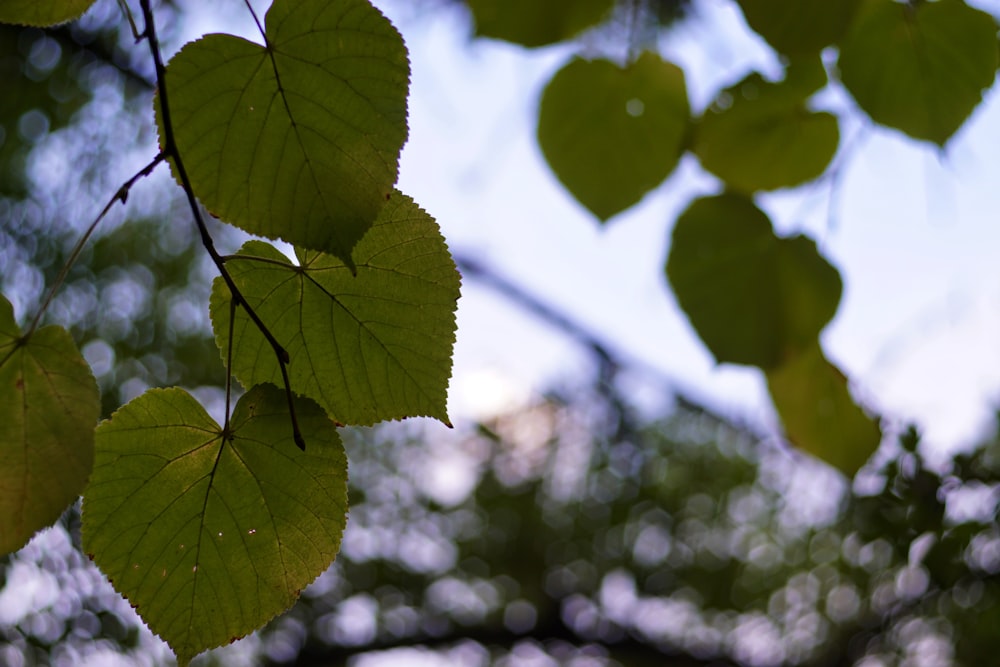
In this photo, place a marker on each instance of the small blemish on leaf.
(251, 531)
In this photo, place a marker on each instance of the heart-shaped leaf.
(209, 532)
(610, 134)
(298, 139)
(761, 136)
(819, 415)
(371, 346)
(753, 298)
(919, 67)
(42, 13)
(49, 406)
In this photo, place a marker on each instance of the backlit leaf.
(753, 298)
(919, 68)
(610, 134)
(534, 23)
(761, 135)
(819, 415)
(796, 27)
(42, 13)
(49, 406)
(210, 535)
(368, 347)
(300, 140)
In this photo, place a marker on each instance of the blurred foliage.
(576, 533)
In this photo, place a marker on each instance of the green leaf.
(42, 13)
(534, 23)
(368, 347)
(299, 140)
(210, 534)
(919, 68)
(761, 136)
(820, 417)
(610, 134)
(796, 27)
(752, 297)
(49, 406)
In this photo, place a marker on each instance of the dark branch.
(170, 150)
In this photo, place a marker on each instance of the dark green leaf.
(368, 347)
(919, 68)
(49, 406)
(209, 535)
(610, 134)
(300, 140)
(534, 23)
(796, 27)
(752, 297)
(819, 415)
(42, 13)
(761, 136)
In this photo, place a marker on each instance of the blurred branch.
(610, 362)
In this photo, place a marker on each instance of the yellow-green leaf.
(42, 13)
(372, 346)
(299, 139)
(49, 406)
(753, 298)
(761, 135)
(920, 68)
(611, 134)
(819, 415)
(210, 533)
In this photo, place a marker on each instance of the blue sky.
(911, 229)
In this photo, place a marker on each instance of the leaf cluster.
(212, 527)
(613, 129)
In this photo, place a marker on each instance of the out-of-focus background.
(609, 495)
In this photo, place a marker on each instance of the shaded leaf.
(819, 415)
(210, 535)
(42, 13)
(610, 134)
(368, 347)
(761, 136)
(752, 297)
(534, 23)
(49, 406)
(919, 68)
(300, 140)
(795, 27)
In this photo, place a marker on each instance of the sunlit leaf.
(209, 535)
(534, 23)
(761, 136)
(610, 134)
(753, 298)
(819, 415)
(49, 406)
(796, 27)
(920, 68)
(368, 347)
(42, 13)
(300, 140)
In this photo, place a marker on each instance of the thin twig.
(229, 364)
(121, 195)
(171, 151)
